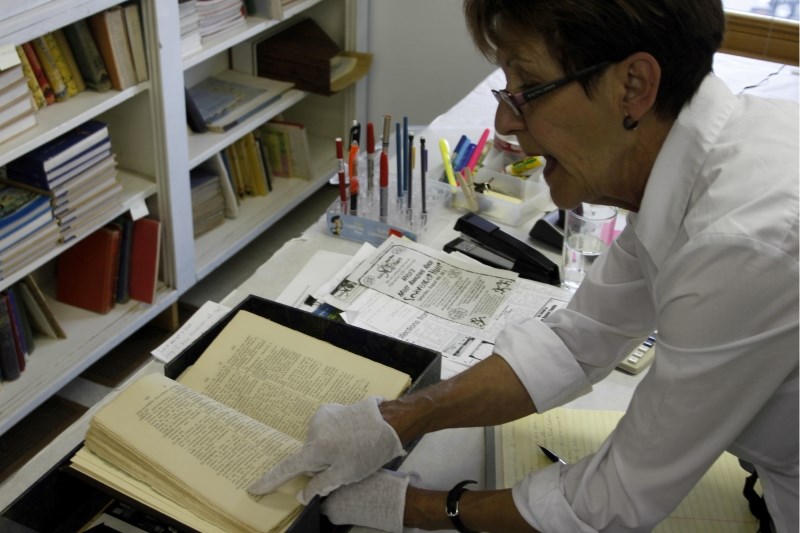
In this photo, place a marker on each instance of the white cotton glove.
(345, 444)
(376, 502)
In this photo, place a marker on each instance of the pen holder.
(509, 199)
(402, 219)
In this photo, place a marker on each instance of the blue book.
(44, 159)
(19, 207)
(94, 155)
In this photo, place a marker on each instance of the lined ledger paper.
(715, 505)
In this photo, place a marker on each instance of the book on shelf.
(193, 117)
(36, 241)
(229, 98)
(238, 387)
(41, 77)
(23, 317)
(217, 16)
(30, 77)
(714, 504)
(69, 58)
(59, 56)
(85, 273)
(17, 106)
(126, 240)
(43, 320)
(111, 36)
(291, 142)
(208, 203)
(232, 163)
(190, 27)
(255, 170)
(263, 156)
(21, 210)
(268, 9)
(105, 197)
(133, 26)
(217, 166)
(87, 56)
(145, 255)
(9, 362)
(55, 161)
(17, 328)
(47, 60)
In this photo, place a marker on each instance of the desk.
(449, 456)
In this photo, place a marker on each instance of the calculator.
(640, 357)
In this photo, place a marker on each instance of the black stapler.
(487, 243)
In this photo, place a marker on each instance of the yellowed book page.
(280, 376)
(196, 452)
(715, 504)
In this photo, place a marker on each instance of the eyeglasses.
(516, 100)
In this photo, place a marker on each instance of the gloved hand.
(378, 502)
(345, 444)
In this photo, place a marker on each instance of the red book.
(85, 273)
(145, 250)
(38, 71)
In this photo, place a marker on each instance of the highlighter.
(444, 148)
(384, 185)
(342, 184)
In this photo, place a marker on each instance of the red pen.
(353, 163)
(384, 184)
(342, 184)
(370, 157)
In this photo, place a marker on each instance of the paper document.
(206, 316)
(715, 504)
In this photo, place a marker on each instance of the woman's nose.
(506, 122)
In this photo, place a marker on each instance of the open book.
(190, 447)
(715, 504)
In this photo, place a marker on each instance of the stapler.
(489, 244)
(550, 229)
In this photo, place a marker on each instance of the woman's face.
(581, 139)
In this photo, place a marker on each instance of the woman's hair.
(682, 35)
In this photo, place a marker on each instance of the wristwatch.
(451, 508)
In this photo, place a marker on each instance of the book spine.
(16, 331)
(38, 71)
(87, 55)
(48, 63)
(61, 63)
(9, 364)
(123, 278)
(69, 57)
(20, 313)
(30, 78)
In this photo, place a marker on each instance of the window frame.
(761, 37)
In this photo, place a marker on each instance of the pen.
(405, 154)
(399, 158)
(553, 457)
(353, 163)
(387, 125)
(476, 154)
(342, 185)
(444, 148)
(370, 157)
(411, 162)
(423, 171)
(461, 160)
(355, 133)
(384, 185)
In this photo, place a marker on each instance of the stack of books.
(208, 202)
(247, 167)
(16, 105)
(77, 172)
(27, 228)
(190, 27)
(217, 16)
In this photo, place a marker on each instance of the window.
(764, 29)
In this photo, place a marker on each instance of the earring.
(629, 124)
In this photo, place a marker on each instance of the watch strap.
(451, 507)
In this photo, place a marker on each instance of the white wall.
(424, 60)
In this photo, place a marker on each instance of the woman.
(709, 258)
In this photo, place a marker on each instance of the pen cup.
(588, 232)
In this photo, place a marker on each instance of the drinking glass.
(588, 231)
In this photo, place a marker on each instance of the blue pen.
(463, 142)
(406, 154)
(399, 158)
(463, 157)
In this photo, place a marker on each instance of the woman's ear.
(641, 75)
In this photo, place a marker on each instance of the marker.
(553, 457)
(387, 131)
(355, 133)
(476, 154)
(370, 157)
(342, 184)
(353, 162)
(444, 149)
(384, 185)
(405, 154)
(423, 170)
(461, 160)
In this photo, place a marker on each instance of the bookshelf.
(155, 152)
